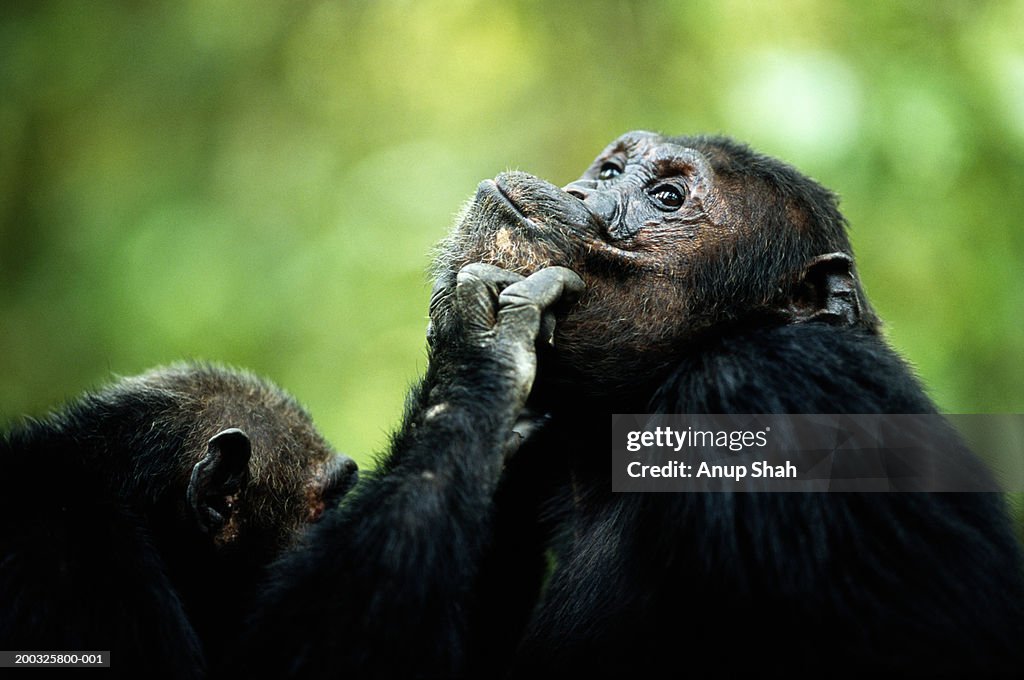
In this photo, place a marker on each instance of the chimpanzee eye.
(667, 196)
(609, 169)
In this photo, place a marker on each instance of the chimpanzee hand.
(491, 320)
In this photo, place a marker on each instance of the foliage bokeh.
(261, 183)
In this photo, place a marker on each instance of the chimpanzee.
(138, 519)
(718, 280)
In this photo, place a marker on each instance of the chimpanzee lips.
(492, 194)
(527, 224)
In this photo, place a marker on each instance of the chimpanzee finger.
(476, 294)
(522, 305)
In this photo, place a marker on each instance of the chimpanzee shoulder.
(791, 368)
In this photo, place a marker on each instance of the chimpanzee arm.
(383, 584)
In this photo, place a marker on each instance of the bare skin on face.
(658, 228)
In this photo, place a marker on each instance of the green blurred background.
(261, 183)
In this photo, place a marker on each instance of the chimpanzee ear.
(827, 292)
(218, 479)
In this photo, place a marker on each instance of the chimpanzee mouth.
(494, 199)
(490, 192)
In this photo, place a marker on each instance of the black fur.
(808, 583)
(387, 585)
(98, 550)
(381, 587)
(743, 299)
(446, 564)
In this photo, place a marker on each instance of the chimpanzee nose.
(602, 204)
(581, 188)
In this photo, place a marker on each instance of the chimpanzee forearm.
(383, 585)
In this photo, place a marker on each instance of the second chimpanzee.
(137, 520)
(717, 281)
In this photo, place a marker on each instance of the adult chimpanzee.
(717, 281)
(139, 518)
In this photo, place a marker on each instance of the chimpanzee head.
(673, 236)
(214, 456)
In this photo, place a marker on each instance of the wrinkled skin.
(500, 314)
(663, 232)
